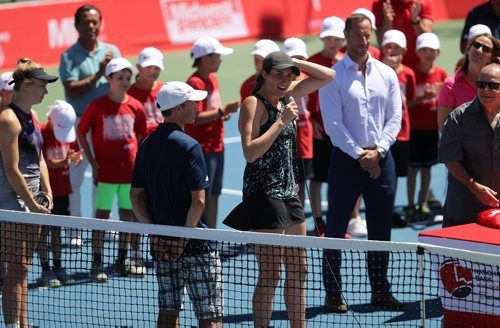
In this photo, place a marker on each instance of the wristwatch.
(382, 152)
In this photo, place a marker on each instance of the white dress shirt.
(361, 112)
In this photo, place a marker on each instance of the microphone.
(288, 100)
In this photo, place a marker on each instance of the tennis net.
(436, 285)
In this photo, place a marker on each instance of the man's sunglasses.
(485, 48)
(489, 85)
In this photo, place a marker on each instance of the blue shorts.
(215, 168)
(202, 275)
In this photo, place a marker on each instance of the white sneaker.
(76, 242)
(357, 227)
(135, 266)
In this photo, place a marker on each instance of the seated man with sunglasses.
(469, 148)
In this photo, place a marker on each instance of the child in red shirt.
(118, 124)
(59, 149)
(393, 50)
(424, 130)
(145, 89)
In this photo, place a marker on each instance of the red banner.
(43, 30)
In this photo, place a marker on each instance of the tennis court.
(132, 301)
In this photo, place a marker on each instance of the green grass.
(238, 66)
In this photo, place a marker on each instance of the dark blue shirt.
(169, 165)
(482, 14)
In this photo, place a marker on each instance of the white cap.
(209, 45)
(478, 29)
(150, 56)
(117, 64)
(332, 26)
(368, 14)
(175, 93)
(427, 40)
(264, 47)
(394, 36)
(63, 118)
(295, 47)
(5, 78)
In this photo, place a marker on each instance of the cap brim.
(295, 69)
(224, 51)
(156, 63)
(260, 53)
(65, 134)
(297, 53)
(331, 33)
(46, 77)
(197, 95)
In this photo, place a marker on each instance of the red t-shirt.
(209, 135)
(115, 127)
(423, 117)
(148, 100)
(304, 129)
(247, 87)
(313, 102)
(56, 150)
(407, 84)
(402, 22)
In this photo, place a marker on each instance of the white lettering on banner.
(186, 21)
(4, 37)
(61, 33)
(467, 286)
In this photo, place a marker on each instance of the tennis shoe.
(49, 279)
(97, 272)
(135, 266)
(335, 305)
(386, 301)
(64, 277)
(76, 242)
(357, 227)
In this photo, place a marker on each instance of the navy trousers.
(347, 181)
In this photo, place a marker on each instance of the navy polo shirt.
(482, 14)
(169, 165)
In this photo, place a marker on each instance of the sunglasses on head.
(479, 45)
(489, 85)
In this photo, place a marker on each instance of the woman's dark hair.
(84, 9)
(495, 53)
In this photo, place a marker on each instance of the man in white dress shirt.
(361, 112)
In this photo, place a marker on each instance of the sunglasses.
(489, 85)
(485, 48)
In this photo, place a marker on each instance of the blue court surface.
(132, 302)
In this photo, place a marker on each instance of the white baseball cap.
(394, 36)
(117, 64)
(478, 29)
(427, 40)
(368, 14)
(295, 47)
(209, 45)
(332, 26)
(5, 78)
(150, 56)
(175, 93)
(63, 118)
(264, 47)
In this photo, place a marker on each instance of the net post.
(421, 254)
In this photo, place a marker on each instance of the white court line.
(231, 140)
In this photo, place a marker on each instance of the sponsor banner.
(466, 286)
(186, 21)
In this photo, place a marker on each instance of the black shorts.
(322, 150)
(61, 205)
(400, 151)
(259, 211)
(423, 148)
(305, 169)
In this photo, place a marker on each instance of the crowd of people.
(353, 115)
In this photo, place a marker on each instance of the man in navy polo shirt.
(168, 188)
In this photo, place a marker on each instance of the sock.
(97, 258)
(57, 264)
(122, 255)
(45, 265)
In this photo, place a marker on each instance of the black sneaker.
(397, 221)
